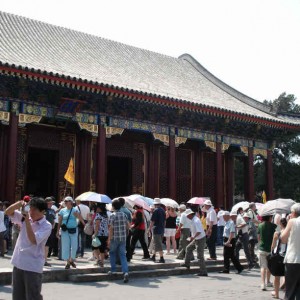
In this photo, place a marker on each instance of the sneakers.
(46, 264)
(126, 278)
(110, 273)
(185, 265)
(240, 271)
(263, 287)
(269, 284)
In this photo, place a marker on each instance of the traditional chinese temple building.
(135, 121)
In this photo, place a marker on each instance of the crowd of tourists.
(37, 228)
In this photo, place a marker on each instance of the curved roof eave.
(134, 94)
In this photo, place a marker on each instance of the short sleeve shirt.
(196, 226)
(211, 216)
(119, 221)
(185, 221)
(229, 228)
(159, 219)
(103, 228)
(28, 256)
(266, 231)
(240, 221)
(72, 222)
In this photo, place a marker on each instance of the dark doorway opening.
(42, 172)
(119, 176)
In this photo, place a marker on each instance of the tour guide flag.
(70, 176)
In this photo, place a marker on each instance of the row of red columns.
(9, 165)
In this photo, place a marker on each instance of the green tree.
(286, 155)
(284, 103)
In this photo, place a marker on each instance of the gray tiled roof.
(38, 45)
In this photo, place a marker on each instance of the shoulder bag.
(275, 261)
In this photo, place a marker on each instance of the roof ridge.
(84, 33)
(225, 87)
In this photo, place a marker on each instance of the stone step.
(154, 272)
(60, 274)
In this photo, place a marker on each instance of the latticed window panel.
(209, 174)
(183, 174)
(163, 171)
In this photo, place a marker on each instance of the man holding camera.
(29, 255)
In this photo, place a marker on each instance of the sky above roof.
(251, 45)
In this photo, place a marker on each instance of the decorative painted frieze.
(27, 119)
(110, 131)
(4, 117)
(136, 125)
(162, 137)
(179, 140)
(211, 145)
(89, 127)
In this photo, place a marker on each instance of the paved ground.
(190, 287)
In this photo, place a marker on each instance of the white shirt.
(2, 225)
(54, 207)
(211, 216)
(185, 221)
(28, 256)
(221, 221)
(240, 221)
(292, 255)
(84, 211)
(196, 226)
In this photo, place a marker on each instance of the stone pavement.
(186, 287)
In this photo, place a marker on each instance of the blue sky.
(252, 45)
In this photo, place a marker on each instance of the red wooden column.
(153, 169)
(11, 167)
(101, 161)
(229, 161)
(219, 176)
(172, 168)
(269, 175)
(198, 166)
(3, 155)
(250, 194)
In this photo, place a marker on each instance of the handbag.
(275, 262)
(88, 228)
(96, 242)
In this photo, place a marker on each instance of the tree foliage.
(286, 155)
(284, 103)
